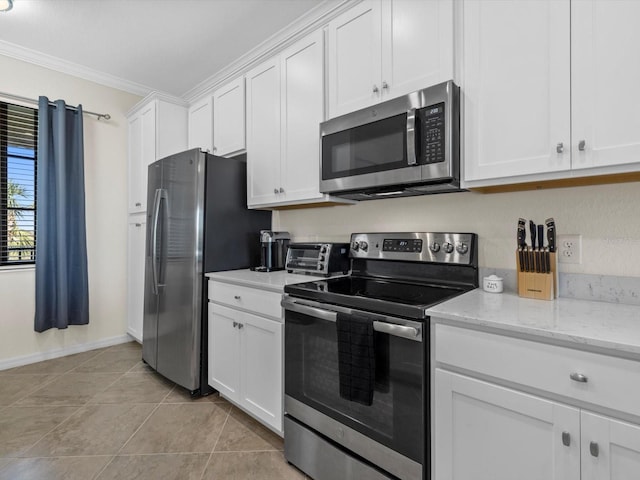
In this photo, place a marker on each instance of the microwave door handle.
(411, 137)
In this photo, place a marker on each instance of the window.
(18, 153)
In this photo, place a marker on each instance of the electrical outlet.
(570, 248)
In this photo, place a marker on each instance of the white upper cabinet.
(382, 49)
(284, 109)
(605, 74)
(549, 89)
(302, 97)
(228, 118)
(417, 45)
(263, 133)
(201, 124)
(516, 87)
(157, 128)
(354, 58)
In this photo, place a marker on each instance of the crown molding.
(48, 61)
(307, 23)
(157, 96)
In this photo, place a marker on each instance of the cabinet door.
(516, 88)
(228, 118)
(149, 134)
(610, 449)
(201, 125)
(170, 131)
(224, 351)
(135, 274)
(354, 58)
(417, 45)
(486, 432)
(302, 75)
(263, 133)
(261, 368)
(137, 167)
(605, 74)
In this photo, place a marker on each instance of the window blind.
(18, 153)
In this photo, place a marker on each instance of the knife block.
(540, 286)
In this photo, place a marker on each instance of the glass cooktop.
(376, 295)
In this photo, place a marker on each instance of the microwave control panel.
(432, 133)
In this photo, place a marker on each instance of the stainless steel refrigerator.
(197, 222)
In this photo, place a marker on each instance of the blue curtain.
(62, 287)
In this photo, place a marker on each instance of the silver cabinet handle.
(560, 147)
(566, 439)
(578, 377)
(281, 190)
(375, 89)
(275, 190)
(593, 449)
(138, 224)
(385, 85)
(138, 204)
(582, 145)
(237, 297)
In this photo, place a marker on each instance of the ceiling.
(168, 46)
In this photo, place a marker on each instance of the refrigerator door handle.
(154, 240)
(163, 197)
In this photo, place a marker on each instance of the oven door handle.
(404, 331)
(397, 330)
(312, 311)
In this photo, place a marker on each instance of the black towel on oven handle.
(356, 357)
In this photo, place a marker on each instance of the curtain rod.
(106, 116)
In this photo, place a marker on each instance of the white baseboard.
(62, 352)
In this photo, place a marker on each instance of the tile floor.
(105, 415)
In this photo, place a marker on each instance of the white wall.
(607, 216)
(106, 208)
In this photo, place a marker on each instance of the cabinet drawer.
(611, 382)
(247, 298)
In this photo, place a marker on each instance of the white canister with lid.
(492, 284)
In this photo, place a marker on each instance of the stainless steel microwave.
(402, 147)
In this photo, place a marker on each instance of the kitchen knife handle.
(540, 237)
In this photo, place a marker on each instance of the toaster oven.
(318, 258)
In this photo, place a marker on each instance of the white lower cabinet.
(610, 448)
(245, 360)
(497, 431)
(135, 274)
(487, 432)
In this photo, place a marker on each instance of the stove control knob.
(364, 246)
(320, 266)
(447, 247)
(322, 258)
(355, 246)
(323, 249)
(462, 248)
(434, 247)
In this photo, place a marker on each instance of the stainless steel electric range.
(357, 355)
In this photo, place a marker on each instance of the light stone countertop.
(604, 327)
(272, 281)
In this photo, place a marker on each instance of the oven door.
(391, 431)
